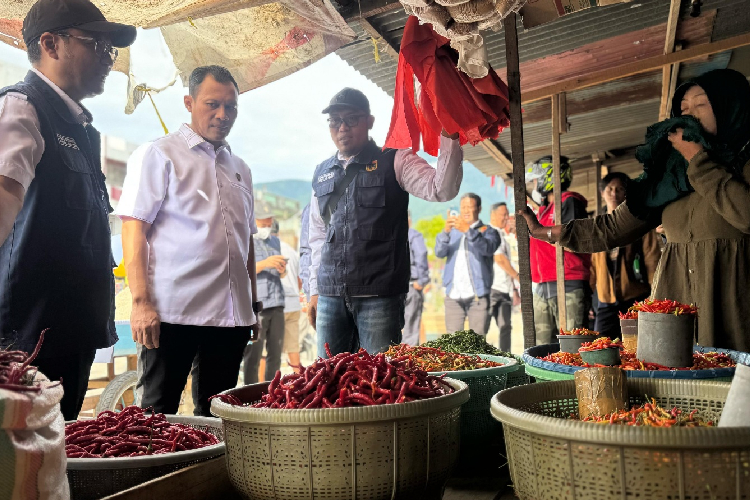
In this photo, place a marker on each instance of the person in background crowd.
(420, 278)
(359, 274)
(55, 251)
(503, 288)
(305, 251)
(469, 246)
(292, 283)
(623, 275)
(270, 267)
(187, 209)
(542, 255)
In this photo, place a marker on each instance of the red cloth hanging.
(475, 108)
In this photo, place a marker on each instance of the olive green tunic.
(707, 258)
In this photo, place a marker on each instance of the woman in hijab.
(707, 258)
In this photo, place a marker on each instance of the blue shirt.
(270, 289)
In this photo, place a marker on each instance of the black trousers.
(74, 370)
(272, 335)
(217, 353)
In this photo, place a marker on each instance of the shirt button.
(691, 271)
(220, 185)
(229, 233)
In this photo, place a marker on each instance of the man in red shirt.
(542, 254)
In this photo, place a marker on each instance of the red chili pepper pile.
(16, 372)
(701, 361)
(600, 343)
(432, 359)
(131, 433)
(663, 307)
(347, 379)
(578, 331)
(650, 415)
(630, 314)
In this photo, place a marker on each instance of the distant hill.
(474, 181)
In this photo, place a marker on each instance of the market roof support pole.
(598, 168)
(519, 176)
(668, 73)
(557, 118)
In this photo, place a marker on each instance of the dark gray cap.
(54, 15)
(348, 98)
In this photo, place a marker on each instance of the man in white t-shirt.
(501, 296)
(292, 307)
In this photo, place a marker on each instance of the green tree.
(430, 229)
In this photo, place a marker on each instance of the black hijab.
(728, 92)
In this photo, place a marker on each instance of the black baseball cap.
(348, 98)
(54, 15)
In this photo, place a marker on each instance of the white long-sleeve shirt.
(415, 176)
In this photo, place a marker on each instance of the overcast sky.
(280, 131)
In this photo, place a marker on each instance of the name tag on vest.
(325, 177)
(68, 142)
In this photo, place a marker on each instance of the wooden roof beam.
(638, 67)
(359, 9)
(496, 152)
(668, 73)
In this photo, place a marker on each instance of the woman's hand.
(686, 148)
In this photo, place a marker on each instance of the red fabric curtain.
(448, 99)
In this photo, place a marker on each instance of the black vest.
(57, 261)
(366, 251)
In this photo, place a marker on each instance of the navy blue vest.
(366, 251)
(57, 261)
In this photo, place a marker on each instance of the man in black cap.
(359, 228)
(55, 249)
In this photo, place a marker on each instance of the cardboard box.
(537, 12)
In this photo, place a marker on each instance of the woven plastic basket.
(477, 423)
(561, 459)
(93, 478)
(404, 451)
(518, 376)
(546, 371)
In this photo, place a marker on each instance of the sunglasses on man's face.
(350, 121)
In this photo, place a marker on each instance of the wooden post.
(598, 169)
(519, 178)
(559, 252)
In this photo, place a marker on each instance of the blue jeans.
(348, 323)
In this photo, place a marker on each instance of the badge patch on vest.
(325, 177)
(372, 166)
(68, 142)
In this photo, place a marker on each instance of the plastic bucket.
(609, 356)
(571, 343)
(666, 339)
(629, 332)
(737, 407)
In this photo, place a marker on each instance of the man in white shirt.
(187, 208)
(469, 246)
(503, 288)
(359, 238)
(55, 251)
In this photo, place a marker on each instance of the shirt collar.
(477, 223)
(80, 113)
(194, 139)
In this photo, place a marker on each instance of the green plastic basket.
(518, 376)
(477, 423)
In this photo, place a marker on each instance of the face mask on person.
(537, 197)
(263, 233)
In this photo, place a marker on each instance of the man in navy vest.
(54, 230)
(359, 232)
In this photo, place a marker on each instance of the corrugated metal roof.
(611, 116)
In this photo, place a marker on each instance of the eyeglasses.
(351, 121)
(101, 48)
